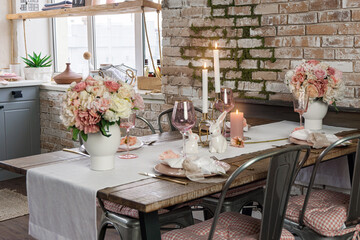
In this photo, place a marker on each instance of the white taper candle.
(205, 89)
(216, 69)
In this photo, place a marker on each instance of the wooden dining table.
(151, 194)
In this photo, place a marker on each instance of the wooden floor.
(17, 228)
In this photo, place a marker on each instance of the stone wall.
(55, 136)
(258, 40)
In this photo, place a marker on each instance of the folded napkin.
(172, 159)
(195, 169)
(314, 139)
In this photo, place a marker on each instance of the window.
(153, 32)
(70, 42)
(114, 39)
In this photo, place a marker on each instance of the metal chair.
(284, 165)
(237, 199)
(147, 123)
(169, 113)
(128, 227)
(302, 214)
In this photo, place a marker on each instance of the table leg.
(149, 225)
(351, 162)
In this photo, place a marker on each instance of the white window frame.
(91, 36)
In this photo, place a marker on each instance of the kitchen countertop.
(52, 86)
(22, 83)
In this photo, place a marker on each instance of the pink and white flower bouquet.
(94, 104)
(320, 80)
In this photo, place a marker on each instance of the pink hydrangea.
(86, 121)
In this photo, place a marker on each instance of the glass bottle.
(146, 68)
(158, 68)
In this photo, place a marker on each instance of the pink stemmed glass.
(183, 118)
(301, 101)
(226, 101)
(128, 123)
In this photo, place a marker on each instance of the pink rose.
(112, 85)
(79, 87)
(312, 91)
(138, 102)
(331, 70)
(320, 73)
(321, 87)
(313, 62)
(297, 80)
(86, 121)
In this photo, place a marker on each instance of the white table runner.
(62, 196)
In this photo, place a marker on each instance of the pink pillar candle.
(236, 124)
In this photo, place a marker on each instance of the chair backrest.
(168, 113)
(353, 216)
(147, 123)
(284, 164)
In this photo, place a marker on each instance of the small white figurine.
(218, 142)
(191, 146)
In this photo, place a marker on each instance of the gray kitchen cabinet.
(19, 124)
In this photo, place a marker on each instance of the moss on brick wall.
(239, 54)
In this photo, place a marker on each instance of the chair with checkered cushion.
(284, 165)
(126, 220)
(325, 214)
(236, 199)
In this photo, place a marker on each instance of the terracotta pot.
(67, 76)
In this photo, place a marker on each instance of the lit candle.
(236, 124)
(216, 69)
(205, 89)
(186, 110)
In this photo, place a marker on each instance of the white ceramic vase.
(102, 149)
(315, 114)
(40, 73)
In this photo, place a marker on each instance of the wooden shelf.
(113, 8)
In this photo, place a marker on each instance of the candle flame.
(237, 111)
(216, 45)
(204, 65)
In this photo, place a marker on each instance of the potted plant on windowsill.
(38, 68)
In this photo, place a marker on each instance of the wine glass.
(226, 101)
(128, 123)
(183, 118)
(301, 101)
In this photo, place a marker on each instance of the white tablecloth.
(62, 196)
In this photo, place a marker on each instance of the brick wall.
(259, 40)
(54, 135)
